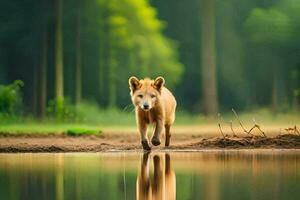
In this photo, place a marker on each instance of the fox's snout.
(146, 106)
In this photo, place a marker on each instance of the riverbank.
(130, 142)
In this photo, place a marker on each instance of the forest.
(70, 128)
(62, 57)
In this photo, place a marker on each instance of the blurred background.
(70, 60)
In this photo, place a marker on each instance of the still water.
(200, 175)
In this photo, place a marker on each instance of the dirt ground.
(130, 142)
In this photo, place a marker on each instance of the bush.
(90, 112)
(87, 112)
(61, 110)
(11, 98)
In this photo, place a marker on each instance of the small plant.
(11, 98)
(81, 131)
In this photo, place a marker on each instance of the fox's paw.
(155, 141)
(146, 146)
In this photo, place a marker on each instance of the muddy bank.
(115, 142)
(286, 141)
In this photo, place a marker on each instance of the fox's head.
(145, 93)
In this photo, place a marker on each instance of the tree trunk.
(278, 85)
(35, 89)
(209, 79)
(78, 80)
(59, 80)
(275, 92)
(101, 70)
(43, 75)
(44, 65)
(111, 63)
(296, 88)
(102, 59)
(112, 79)
(102, 65)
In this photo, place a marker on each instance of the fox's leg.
(168, 135)
(145, 168)
(168, 164)
(143, 181)
(158, 179)
(143, 133)
(156, 135)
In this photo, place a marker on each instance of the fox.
(154, 104)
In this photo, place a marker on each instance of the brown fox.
(153, 104)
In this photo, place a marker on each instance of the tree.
(271, 29)
(132, 43)
(35, 89)
(59, 72)
(44, 62)
(209, 79)
(112, 46)
(78, 80)
(67, 35)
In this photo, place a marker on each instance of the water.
(203, 175)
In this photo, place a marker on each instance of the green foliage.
(135, 29)
(81, 131)
(61, 110)
(120, 38)
(269, 26)
(90, 112)
(277, 25)
(273, 31)
(11, 98)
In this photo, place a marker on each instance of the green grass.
(81, 131)
(35, 128)
(264, 116)
(95, 121)
(261, 116)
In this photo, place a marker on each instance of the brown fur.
(163, 183)
(160, 110)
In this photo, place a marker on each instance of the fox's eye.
(152, 96)
(140, 96)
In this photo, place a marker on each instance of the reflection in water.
(163, 185)
(59, 177)
(250, 175)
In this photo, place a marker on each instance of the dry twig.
(231, 127)
(294, 129)
(237, 117)
(258, 127)
(254, 126)
(219, 124)
(221, 130)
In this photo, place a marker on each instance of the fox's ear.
(134, 83)
(159, 83)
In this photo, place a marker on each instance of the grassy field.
(124, 122)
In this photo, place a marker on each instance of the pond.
(247, 174)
